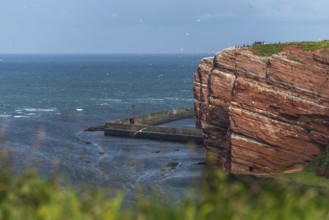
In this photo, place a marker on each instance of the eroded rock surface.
(263, 114)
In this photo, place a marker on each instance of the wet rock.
(96, 128)
(172, 165)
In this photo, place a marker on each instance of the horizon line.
(164, 53)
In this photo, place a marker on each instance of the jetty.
(149, 126)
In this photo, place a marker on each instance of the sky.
(155, 26)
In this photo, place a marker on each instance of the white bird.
(139, 131)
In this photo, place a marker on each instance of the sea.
(47, 101)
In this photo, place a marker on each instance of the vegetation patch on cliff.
(311, 46)
(270, 49)
(265, 50)
(295, 59)
(320, 164)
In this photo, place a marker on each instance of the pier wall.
(157, 118)
(146, 126)
(155, 132)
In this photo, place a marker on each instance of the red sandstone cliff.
(263, 114)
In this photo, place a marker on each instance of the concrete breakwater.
(155, 132)
(147, 127)
(157, 118)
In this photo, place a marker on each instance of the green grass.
(311, 46)
(267, 49)
(270, 49)
(296, 60)
(320, 164)
(306, 177)
(309, 177)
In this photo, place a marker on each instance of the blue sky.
(155, 26)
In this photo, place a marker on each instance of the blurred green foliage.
(221, 197)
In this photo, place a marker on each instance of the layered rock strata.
(263, 114)
(201, 93)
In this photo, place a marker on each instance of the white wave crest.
(104, 104)
(36, 110)
(179, 99)
(112, 100)
(147, 100)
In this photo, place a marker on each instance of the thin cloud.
(207, 17)
(115, 16)
(291, 11)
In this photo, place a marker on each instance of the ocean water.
(46, 102)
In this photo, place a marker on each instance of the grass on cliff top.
(267, 49)
(270, 49)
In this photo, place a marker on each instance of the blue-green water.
(48, 100)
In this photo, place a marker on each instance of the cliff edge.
(264, 109)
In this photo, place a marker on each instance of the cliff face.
(263, 114)
(201, 92)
